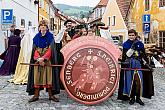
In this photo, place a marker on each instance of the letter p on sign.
(7, 16)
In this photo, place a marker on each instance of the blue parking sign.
(7, 16)
(146, 18)
(146, 27)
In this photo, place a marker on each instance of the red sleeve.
(47, 55)
(36, 55)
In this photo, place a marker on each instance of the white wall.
(97, 12)
(22, 9)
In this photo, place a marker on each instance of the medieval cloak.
(60, 60)
(148, 87)
(10, 56)
(71, 33)
(21, 72)
(54, 61)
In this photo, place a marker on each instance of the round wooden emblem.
(90, 72)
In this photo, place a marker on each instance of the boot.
(52, 97)
(35, 97)
(138, 100)
(132, 101)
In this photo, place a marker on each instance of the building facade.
(47, 12)
(113, 18)
(25, 14)
(97, 12)
(156, 9)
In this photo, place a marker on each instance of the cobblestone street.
(14, 97)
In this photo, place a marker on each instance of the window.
(29, 23)
(55, 26)
(109, 21)
(23, 23)
(51, 24)
(161, 3)
(113, 20)
(97, 13)
(147, 5)
(47, 8)
(146, 38)
(59, 26)
(41, 3)
(100, 12)
(14, 20)
(162, 39)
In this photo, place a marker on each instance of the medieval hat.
(81, 26)
(17, 32)
(98, 24)
(43, 22)
(67, 21)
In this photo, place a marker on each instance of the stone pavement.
(14, 97)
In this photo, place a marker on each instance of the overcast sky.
(90, 3)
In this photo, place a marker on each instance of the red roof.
(102, 3)
(124, 6)
(57, 14)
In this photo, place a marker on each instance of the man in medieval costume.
(21, 72)
(135, 82)
(96, 27)
(44, 54)
(63, 37)
(80, 30)
(70, 30)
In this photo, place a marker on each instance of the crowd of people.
(42, 48)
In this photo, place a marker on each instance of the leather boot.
(138, 100)
(132, 101)
(35, 97)
(52, 97)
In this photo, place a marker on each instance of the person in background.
(5, 40)
(69, 28)
(68, 33)
(22, 34)
(61, 39)
(6, 37)
(91, 30)
(12, 28)
(10, 56)
(80, 30)
(21, 72)
(96, 28)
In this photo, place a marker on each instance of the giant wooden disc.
(90, 72)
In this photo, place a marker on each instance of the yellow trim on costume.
(140, 83)
(136, 53)
(135, 72)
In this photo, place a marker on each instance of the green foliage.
(81, 11)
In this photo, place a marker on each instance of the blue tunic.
(43, 41)
(134, 62)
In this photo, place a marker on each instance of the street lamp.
(37, 2)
